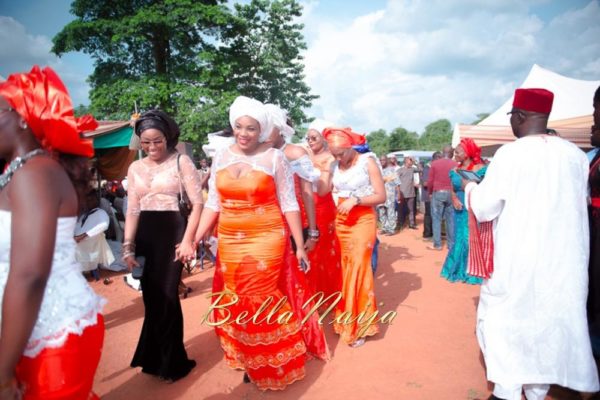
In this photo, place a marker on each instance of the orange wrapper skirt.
(356, 233)
(251, 254)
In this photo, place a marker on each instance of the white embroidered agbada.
(531, 319)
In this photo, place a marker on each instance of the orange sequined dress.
(356, 233)
(252, 245)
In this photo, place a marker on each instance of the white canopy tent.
(571, 114)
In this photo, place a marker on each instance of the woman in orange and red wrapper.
(325, 275)
(251, 193)
(51, 347)
(358, 180)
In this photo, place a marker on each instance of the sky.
(379, 64)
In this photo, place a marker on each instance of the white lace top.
(304, 168)
(155, 187)
(355, 180)
(69, 304)
(272, 162)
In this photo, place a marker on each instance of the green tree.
(436, 135)
(189, 57)
(401, 139)
(379, 142)
(263, 59)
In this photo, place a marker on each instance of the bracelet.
(313, 233)
(127, 254)
(357, 200)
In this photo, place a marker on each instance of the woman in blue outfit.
(468, 156)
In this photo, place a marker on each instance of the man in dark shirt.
(426, 198)
(406, 192)
(440, 188)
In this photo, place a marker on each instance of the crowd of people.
(297, 228)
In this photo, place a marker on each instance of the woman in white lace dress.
(358, 180)
(52, 330)
(251, 192)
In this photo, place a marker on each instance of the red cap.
(536, 100)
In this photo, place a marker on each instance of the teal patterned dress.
(455, 266)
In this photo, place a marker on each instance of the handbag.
(183, 200)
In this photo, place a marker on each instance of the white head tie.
(320, 124)
(245, 106)
(279, 120)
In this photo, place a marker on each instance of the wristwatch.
(314, 234)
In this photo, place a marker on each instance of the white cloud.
(417, 61)
(20, 50)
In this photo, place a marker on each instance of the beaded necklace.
(15, 164)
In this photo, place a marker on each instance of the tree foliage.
(401, 139)
(263, 59)
(189, 57)
(379, 142)
(436, 135)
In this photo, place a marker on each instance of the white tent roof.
(572, 103)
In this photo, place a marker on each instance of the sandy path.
(429, 352)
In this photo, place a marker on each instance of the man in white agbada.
(531, 319)
(92, 249)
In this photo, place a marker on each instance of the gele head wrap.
(471, 150)
(42, 100)
(279, 120)
(319, 125)
(245, 106)
(343, 137)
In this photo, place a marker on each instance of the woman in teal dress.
(468, 155)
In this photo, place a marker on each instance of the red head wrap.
(536, 100)
(42, 100)
(471, 150)
(343, 137)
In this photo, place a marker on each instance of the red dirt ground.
(429, 352)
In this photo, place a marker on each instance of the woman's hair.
(79, 173)
(597, 95)
(157, 119)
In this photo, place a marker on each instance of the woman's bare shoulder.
(293, 151)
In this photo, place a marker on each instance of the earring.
(24, 125)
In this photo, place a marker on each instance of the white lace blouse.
(272, 162)
(69, 304)
(354, 181)
(155, 187)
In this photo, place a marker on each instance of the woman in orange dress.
(358, 180)
(251, 192)
(325, 273)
